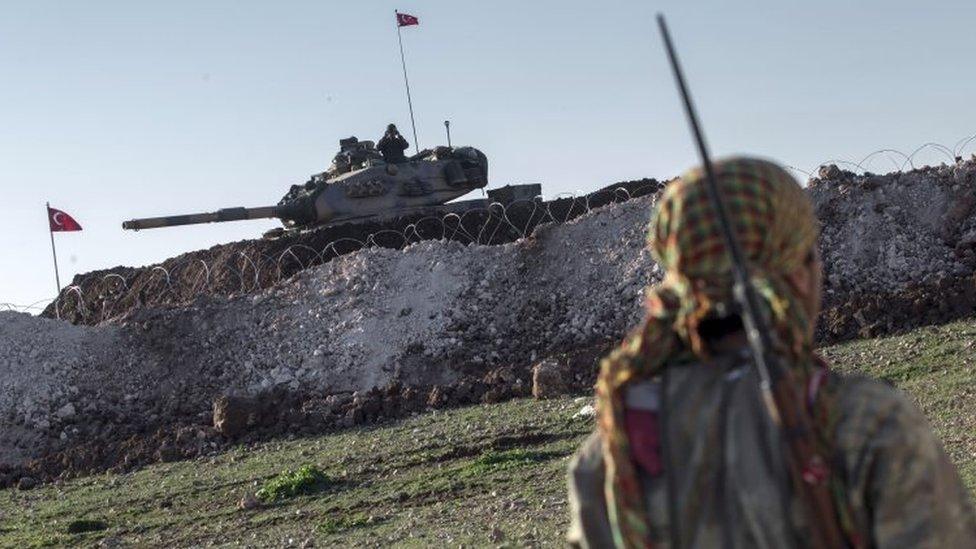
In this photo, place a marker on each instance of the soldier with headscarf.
(685, 454)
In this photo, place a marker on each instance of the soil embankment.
(306, 343)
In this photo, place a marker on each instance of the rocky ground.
(899, 249)
(385, 332)
(477, 476)
(437, 323)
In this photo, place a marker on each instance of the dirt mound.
(880, 313)
(292, 412)
(252, 265)
(883, 233)
(392, 330)
(899, 250)
(433, 314)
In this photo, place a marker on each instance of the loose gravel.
(434, 313)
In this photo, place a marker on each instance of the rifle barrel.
(755, 324)
(784, 405)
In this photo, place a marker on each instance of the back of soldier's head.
(772, 216)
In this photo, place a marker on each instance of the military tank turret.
(359, 185)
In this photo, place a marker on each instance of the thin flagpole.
(406, 82)
(54, 254)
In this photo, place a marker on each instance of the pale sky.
(119, 109)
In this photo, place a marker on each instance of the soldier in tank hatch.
(392, 145)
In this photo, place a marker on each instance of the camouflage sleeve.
(589, 524)
(589, 519)
(904, 490)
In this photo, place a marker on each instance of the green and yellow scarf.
(775, 225)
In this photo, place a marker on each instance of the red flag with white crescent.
(60, 221)
(405, 20)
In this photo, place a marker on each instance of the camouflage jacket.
(725, 477)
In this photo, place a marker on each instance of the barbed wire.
(943, 153)
(36, 306)
(183, 280)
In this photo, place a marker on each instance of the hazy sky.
(114, 110)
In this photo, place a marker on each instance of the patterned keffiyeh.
(776, 228)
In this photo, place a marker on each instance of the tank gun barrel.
(225, 214)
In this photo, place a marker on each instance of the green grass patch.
(49, 541)
(342, 524)
(307, 479)
(492, 461)
(81, 526)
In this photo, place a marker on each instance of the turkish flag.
(405, 20)
(60, 221)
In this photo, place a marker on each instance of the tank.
(358, 185)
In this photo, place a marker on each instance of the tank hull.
(389, 188)
(374, 189)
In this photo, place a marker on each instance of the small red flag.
(405, 20)
(60, 221)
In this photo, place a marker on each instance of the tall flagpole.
(54, 254)
(406, 82)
